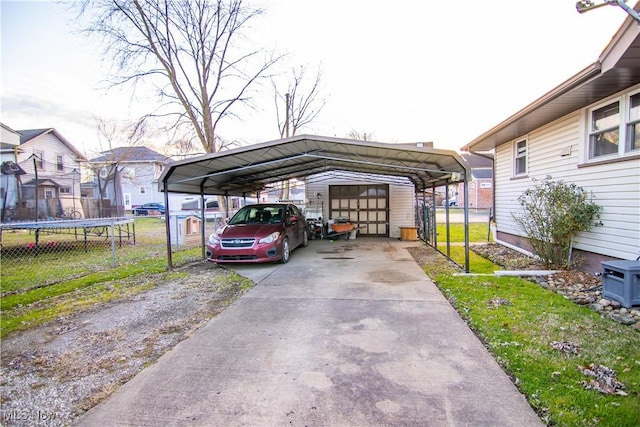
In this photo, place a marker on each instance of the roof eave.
(488, 140)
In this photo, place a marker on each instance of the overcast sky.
(402, 70)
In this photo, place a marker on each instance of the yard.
(543, 341)
(576, 366)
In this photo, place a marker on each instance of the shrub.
(553, 214)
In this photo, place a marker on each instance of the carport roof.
(250, 169)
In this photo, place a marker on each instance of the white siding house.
(46, 155)
(585, 131)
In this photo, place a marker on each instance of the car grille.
(237, 243)
(237, 257)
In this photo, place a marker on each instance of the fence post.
(113, 245)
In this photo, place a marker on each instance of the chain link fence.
(37, 254)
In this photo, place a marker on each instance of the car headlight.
(270, 238)
(214, 239)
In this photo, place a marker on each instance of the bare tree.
(190, 50)
(107, 167)
(302, 105)
(301, 100)
(361, 136)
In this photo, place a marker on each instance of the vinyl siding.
(615, 187)
(52, 147)
(144, 174)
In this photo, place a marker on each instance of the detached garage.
(374, 185)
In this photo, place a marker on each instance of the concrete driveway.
(348, 333)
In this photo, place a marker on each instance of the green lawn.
(31, 287)
(519, 320)
(477, 232)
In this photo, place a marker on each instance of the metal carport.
(248, 170)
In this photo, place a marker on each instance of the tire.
(305, 239)
(286, 251)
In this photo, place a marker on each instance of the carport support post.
(425, 225)
(448, 224)
(203, 223)
(432, 217)
(465, 190)
(167, 224)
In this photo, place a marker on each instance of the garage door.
(366, 206)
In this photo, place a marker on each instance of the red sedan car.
(259, 233)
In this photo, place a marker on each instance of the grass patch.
(477, 264)
(518, 320)
(51, 285)
(477, 232)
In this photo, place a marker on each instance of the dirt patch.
(53, 373)
(506, 257)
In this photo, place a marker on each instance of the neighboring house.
(51, 186)
(481, 183)
(128, 177)
(10, 171)
(585, 131)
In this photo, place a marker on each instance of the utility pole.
(35, 171)
(288, 113)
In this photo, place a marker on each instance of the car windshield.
(258, 215)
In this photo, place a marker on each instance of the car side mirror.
(293, 219)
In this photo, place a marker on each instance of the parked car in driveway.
(259, 233)
(149, 209)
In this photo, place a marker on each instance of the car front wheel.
(286, 251)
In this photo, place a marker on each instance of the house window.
(48, 193)
(59, 164)
(157, 171)
(520, 158)
(127, 200)
(604, 133)
(633, 123)
(614, 128)
(65, 190)
(39, 159)
(143, 189)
